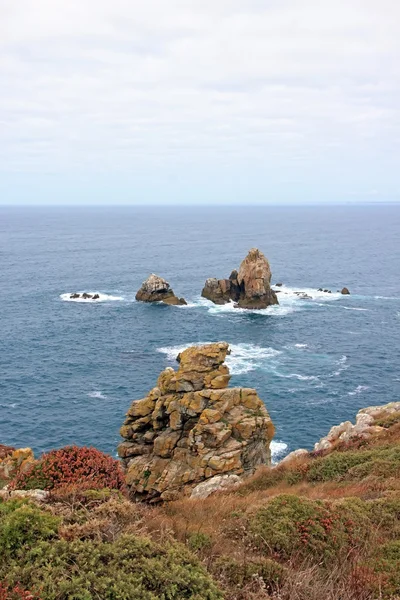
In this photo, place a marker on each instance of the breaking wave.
(97, 394)
(278, 450)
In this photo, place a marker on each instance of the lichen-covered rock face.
(191, 427)
(157, 289)
(15, 461)
(249, 288)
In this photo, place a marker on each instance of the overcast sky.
(199, 101)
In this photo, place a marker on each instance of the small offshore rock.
(345, 291)
(157, 289)
(279, 284)
(75, 296)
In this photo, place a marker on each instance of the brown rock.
(345, 291)
(157, 289)
(192, 427)
(18, 461)
(250, 287)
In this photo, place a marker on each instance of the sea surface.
(69, 369)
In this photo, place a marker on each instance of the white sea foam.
(342, 366)
(102, 298)
(278, 448)
(354, 308)
(301, 345)
(243, 358)
(97, 394)
(359, 390)
(13, 405)
(287, 293)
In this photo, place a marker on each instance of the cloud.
(310, 89)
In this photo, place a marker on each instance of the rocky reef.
(192, 428)
(250, 287)
(157, 289)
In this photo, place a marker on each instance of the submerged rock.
(250, 287)
(191, 427)
(157, 289)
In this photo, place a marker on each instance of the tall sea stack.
(250, 287)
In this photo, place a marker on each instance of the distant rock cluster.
(192, 434)
(250, 287)
(84, 296)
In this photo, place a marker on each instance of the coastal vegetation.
(325, 525)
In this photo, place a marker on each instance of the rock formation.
(192, 428)
(250, 287)
(84, 296)
(364, 427)
(345, 291)
(13, 461)
(156, 289)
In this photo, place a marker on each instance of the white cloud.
(94, 85)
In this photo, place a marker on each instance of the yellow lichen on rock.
(191, 428)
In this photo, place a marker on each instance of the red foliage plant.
(15, 593)
(86, 468)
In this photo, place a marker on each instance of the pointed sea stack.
(250, 287)
(192, 428)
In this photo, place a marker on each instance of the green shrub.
(131, 568)
(356, 464)
(23, 524)
(386, 563)
(199, 541)
(294, 526)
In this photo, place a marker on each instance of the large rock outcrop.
(250, 287)
(191, 428)
(157, 289)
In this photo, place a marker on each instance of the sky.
(199, 101)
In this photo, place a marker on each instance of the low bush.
(87, 468)
(292, 526)
(131, 567)
(356, 464)
(23, 524)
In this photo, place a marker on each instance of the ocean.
(69, 369)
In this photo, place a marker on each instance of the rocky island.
(250, 287)
(157, 289)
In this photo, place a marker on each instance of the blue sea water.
(69, 370)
